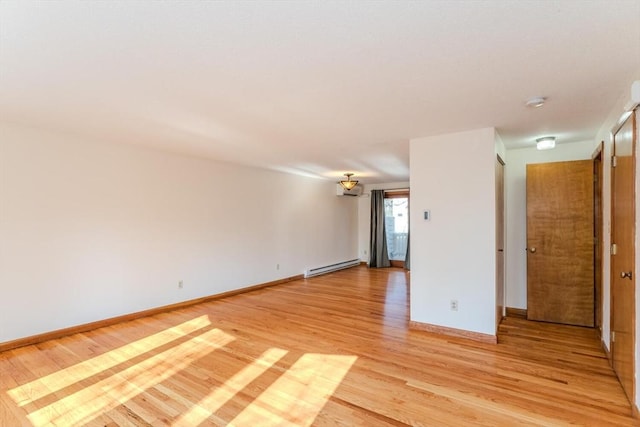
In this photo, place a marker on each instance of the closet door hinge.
(614, 161)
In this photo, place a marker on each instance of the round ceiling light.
(536, 102)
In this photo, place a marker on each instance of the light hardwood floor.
(332, 350)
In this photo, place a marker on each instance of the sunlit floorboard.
(332, 350)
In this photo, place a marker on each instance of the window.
(396, 217)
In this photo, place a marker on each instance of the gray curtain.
(407, 257)
(378, 256)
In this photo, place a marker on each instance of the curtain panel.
(378, 256)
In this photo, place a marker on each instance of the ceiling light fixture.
(536, 102)
(546, 143)
(348, 184)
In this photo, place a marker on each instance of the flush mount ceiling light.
(348, 184)
(535, 102)
(546, 143)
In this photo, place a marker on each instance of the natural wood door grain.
(560, 242)
(622, 233)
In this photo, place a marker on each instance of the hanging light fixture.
(546, 143)
(348, 184)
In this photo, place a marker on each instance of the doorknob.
(532, 250)
(626, 275)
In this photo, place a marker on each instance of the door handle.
(532, 250)
(626, 275)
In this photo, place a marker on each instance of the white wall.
(91, 231)
(516, 199)
(453, 254)
(364, 215)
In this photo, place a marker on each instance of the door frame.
(598, 220)
(500, 245)
(399, 194)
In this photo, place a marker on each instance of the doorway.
(396, 219)
(598, 216)
(500, 293)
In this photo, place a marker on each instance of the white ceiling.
(315, 88)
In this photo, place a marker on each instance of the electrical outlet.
(180, 284)
(454, 305)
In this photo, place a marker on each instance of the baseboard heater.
(331, 268)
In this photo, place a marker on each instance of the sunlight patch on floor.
(100, 397)
(58, 380)
(218, 397)
(298, 396)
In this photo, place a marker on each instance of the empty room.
(283, 213)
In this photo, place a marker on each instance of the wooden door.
(499, 241)
(560, 242)
(622, 263)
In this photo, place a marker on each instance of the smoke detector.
(536, 102)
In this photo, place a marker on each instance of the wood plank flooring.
(332, 350)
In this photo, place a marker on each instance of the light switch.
(427, 215)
